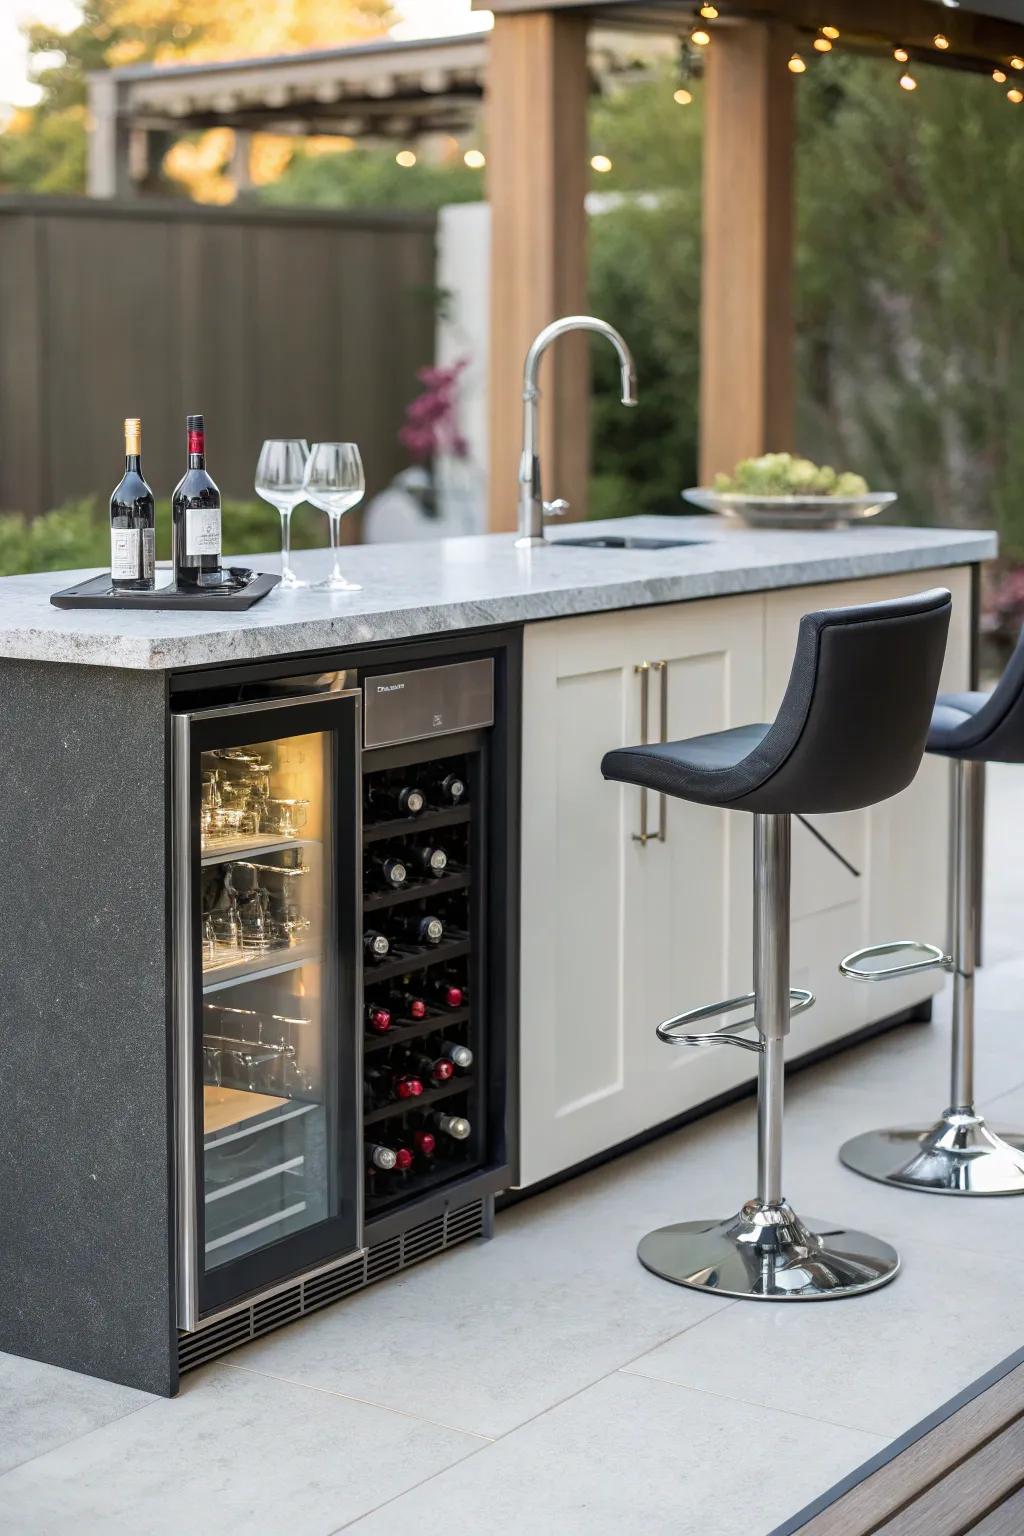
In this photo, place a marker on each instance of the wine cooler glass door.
(267, 908)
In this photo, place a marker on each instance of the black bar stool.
(959, 1154)
(850, 732)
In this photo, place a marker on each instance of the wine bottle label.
(148, 554)
(202, 530)
(124, 554)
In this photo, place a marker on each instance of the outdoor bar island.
(322, 930)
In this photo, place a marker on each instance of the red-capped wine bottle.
(433, 1070)
(195, 513)
(418, 928)
(386, 1085)
(132, 520)
(409, 1004)
(444, 992)
(378, 1019)
(424, 1143)
(460, 1056)
(376, 946)
(395, 799)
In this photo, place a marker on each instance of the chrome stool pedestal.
(766, 1252)
(959, 1154)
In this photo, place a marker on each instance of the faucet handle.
(556, 508)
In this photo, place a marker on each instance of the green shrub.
(77, 535)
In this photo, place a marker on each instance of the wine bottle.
(424, 1143)
(449, 788)
(395, 799)
(432, 1070)
(195, 512)
(132, 520)
(455, 1126)
(409, 1005)
(378, 1019)
(460, 1056)
(418, 928)
(376, 946)
(429, 861)
(388, 1159)
(385, 1084)
(385, 870)
(448, 994)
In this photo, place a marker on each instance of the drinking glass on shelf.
(279, 480)
(334, 482)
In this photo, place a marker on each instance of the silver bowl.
(790, 511)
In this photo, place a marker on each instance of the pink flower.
(431, 420)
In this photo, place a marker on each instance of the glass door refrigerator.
(268, 1000)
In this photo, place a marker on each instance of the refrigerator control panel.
(428, 701)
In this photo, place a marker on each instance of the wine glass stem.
(286, 541)
(335, 518)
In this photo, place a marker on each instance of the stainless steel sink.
(620, 541)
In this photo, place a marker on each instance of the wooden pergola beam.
(537, 180)
(746, 351)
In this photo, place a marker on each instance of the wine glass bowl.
(335, 483)
(280, 476)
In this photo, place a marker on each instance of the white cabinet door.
(616, 934)
(898, 848)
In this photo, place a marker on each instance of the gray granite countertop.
(410, 590)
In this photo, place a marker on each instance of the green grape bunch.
(783, 474)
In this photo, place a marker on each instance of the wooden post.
(747, 353)
(537, 181)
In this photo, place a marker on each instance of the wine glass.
(334, 482)
(279, 476)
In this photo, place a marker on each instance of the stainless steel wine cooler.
(344, 938)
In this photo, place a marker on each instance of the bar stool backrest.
(993, 733)
(852, 726)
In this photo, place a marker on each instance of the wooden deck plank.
(970, 1492)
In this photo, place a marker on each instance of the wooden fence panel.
(272, 322)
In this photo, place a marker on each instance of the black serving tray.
(247, 588)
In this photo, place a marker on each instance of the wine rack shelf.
(273, 962)
(410, 826)
(408, 960)
(401, 1033)
(240, 849)
(423, 890)
(425, 1101)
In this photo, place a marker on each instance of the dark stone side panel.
(85, 1159)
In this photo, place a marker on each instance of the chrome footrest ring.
(728, 1034)
(933, 959)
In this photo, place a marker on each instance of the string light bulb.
(709, 11)
(406, 158)
(600, 163)
(832, 33)
(796, 64)
(901, 56)
(999, 76)
(475, 159)
(683, 97)
(941, 41)
(1015, 95)
(700, 37)
(822, 44)
(1016, 62)
(907, 81)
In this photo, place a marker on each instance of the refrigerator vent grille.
(260, 1317)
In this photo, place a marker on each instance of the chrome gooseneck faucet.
(532, 505)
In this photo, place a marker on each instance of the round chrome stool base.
(767, 1253)
(959, 1155)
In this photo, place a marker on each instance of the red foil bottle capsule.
(403, 1160)
(378, 1019)
(408, 1087)
(425, 1142)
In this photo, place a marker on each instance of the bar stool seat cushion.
(850, 731)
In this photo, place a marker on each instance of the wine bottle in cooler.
(387, 871)
(417, 928)
(447, 1127)
(444, 786)
(195, 512)
(377, 1019)
(376, 946)
(428, 861)
(390, 800)
(408, 1004)
(132, 520)
(432, 1071)
(460, 1056)
(444, 991)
